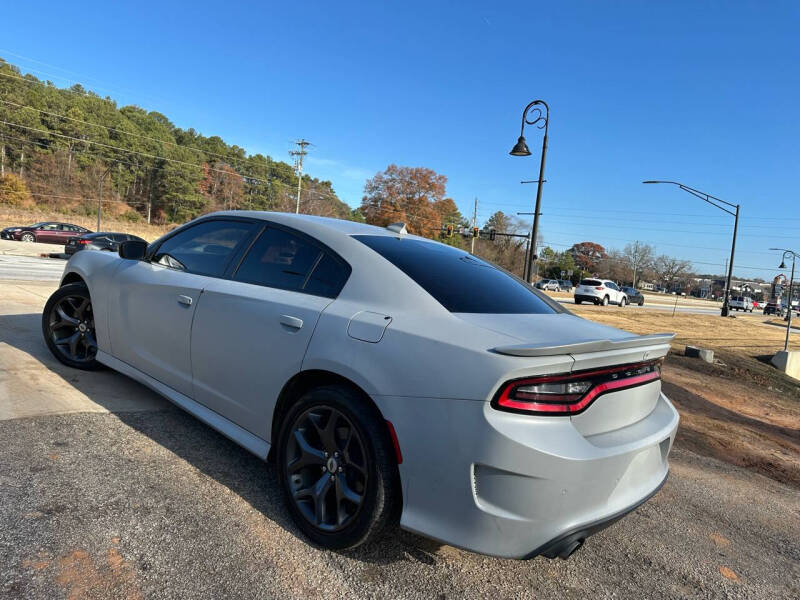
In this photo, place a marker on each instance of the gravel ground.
(157, 505)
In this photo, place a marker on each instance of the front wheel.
(578, 301)
(28, 237)
(641, 302)
(68, 327)
(337, 468)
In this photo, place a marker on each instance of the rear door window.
(286, 261)
(459, 281)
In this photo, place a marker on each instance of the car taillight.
(599, 287)
(83, 241)
(573, 393)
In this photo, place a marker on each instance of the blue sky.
(704, 93)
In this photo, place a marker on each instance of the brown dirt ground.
(740, 410)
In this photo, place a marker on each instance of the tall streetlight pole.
(100, 193)
(794, 255)
(713, 200)
(542, 120)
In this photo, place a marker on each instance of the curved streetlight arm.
(537, 118)
(702, 195)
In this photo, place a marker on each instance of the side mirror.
(133, 250)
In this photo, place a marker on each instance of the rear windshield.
(591, 282)
(460, 282)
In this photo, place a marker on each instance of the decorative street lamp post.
(712, 200)
(533, 115)
(794, 255)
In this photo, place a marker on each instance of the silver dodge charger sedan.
(391, 378)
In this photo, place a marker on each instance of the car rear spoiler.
(633, 341)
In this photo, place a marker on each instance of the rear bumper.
(586, 298)
(516, 486)
(568, 543)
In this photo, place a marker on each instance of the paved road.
(28, 268)
(110, 492)
(700, 310)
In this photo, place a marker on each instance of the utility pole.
(474, 224)
(299, 154)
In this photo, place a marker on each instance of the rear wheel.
(641, 302)
(337, 468)
(622, 302)
(28, 237)
(605, 301)
(68, 327)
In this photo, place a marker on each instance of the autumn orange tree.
(415, 196)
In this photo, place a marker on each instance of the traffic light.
(476, 231)
(449, 231)
(492, 234)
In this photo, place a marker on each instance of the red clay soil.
(736, 414)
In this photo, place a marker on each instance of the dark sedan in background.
(107, 241)
(634, 295)
(48, 232)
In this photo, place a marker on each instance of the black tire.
(578, 301)
(622, 302)
(376, 479)
(641, 302)
(28, 237)
(605, 300)
(70, 334)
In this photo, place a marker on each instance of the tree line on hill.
(60, 142)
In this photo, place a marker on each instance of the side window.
(205, 248)
(278, 259)
(282, 260)
(327, 278)
(611, 285)
(49, 227)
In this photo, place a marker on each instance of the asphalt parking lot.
(109, 492)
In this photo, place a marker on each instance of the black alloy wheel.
(68, 327)
(326, 464)
(337, 468)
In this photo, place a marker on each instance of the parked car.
(49, 232)
(599, 291)
(548, 284)
(362, 358)
(565, 285)
(773, 308)
(744, 303)
(104, 241)
(634, 295)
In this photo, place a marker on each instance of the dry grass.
(15, 216)
(747, 335)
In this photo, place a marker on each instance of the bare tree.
(638, 256)
(671, 270)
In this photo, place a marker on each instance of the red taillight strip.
(598, 389)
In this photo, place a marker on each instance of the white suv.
(600, 291)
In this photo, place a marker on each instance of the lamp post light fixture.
(536, 113)
(794, 256)
(714, 201)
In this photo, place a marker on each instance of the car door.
(48, 233)
(150, 322)
(251, 332)
(615, 295)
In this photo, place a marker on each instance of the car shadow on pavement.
(199, 445)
